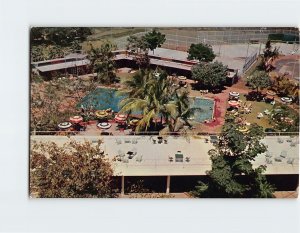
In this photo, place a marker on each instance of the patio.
(153, 159)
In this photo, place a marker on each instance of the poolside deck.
(155, 157)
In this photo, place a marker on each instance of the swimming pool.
(104, 98)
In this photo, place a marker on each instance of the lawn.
(257, 107)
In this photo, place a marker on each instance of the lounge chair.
(165, 141)
(278, 159)
(139, 158)
(121, 153)
(290, 161)
(134, 151)
(269, 161)
(134, 141)
(118, 141)
(127, 140)
(125, 160)
(293, 144)
(268, 154)
(283, 154)
(171, 159)
(279, 140)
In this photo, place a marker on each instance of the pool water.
(104, 98)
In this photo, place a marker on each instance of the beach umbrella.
(120, 117)
(234, 103)
(64, 125)
(101, 114)
(234, 94)
(134, 121)
(286, 99)
(104, 125)
(76, 119)
(271, 93)
(181, 77)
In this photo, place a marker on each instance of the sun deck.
(155, 157)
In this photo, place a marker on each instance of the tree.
(52, 102)
(139, 47)
(62, 36)
(201, 52)
(232, 174)
(211, 75)
(156, 97)
(154, 39)
(284, 86)
(259, 80)
(269, 55)
(79, 172)
(102, 62)
(136, 44)
(285, 119)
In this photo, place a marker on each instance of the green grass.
(257, 107)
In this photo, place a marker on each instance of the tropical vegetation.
(155, 97)
(209, 75)
(79, 172)
(102, 62)
(259, 80)
(201, 52)
(232, 174)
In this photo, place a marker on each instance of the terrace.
(154, 159)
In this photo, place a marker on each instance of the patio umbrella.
(234, 103)
(64, 125)
(271, 93)
(134, 121)
(76, 119)
(120, 117)
(101, 114)
(234, 94)
(181, 77)
(104, 125)
(286, 99)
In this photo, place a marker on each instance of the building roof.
(69, 56)
(64, 65)
(155, 157)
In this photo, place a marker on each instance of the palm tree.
(102, 62)
(155, 97)
(136, 86)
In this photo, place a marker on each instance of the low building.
(75, 63)
(177, 164)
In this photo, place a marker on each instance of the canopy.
(134, 121)
(120, 117)
(104, 125)
(234, 94)
(181, 77)
(64, 125)
(234, 103)
(286, 99)
(101, 113)
(76, 119)
(271, 93)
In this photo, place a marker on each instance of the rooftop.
(155, 157)
(63, 65)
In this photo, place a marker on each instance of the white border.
(18, 213)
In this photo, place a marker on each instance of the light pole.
(261, 30)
